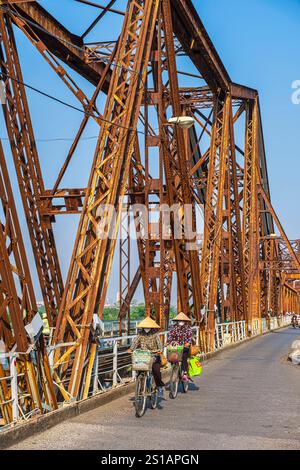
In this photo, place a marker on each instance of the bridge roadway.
(247, 398)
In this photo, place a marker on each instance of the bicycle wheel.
(174, 381)
(153, 393)
(140, 395)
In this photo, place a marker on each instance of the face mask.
(181, 323)
(146, 330)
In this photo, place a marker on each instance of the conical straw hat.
(182, 317)
(148, 323)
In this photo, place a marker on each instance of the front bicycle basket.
(174, 354)
(142, 360)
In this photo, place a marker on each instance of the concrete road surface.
(247, 398)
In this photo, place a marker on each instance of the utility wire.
(47, 95)
(64, 103)
(81, 49)
(59, 139)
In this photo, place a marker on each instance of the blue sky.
(257, 42)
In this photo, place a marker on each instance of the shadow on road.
(193, 387)
(287, 332)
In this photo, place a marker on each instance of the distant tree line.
(137, 312)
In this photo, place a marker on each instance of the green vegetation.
(111, 313)
(41, 310)
(137, 312)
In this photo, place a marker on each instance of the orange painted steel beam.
(213, 214)
(25, 155)
(92, 256)
(17, 309)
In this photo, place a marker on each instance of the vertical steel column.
(124, 267)
(14, 387)
(272, 279)
(92, 257)
(18, 306)
(19, 128)
(158, 250)
(177, 177)
(238, 297)
(251, 235)
(211, 250)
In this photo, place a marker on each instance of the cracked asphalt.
(247, 398)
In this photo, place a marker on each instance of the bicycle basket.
(174, 354)
(142, 360)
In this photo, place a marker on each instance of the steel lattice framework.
(241, 270)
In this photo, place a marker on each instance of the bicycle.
(145, 387)
(145, 384)
(176, 376)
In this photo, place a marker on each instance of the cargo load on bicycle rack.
(174, 354)
(142, 360)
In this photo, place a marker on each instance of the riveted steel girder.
(91, 262)
(24, 151)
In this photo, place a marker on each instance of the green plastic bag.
(195, 367)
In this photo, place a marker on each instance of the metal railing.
(8, 361)
(263, 325)
(16, 396)
(228, 333)
(279, 322)
(112, 328)
(256, 328)
(112, 364)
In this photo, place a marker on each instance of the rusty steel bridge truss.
(243, 268)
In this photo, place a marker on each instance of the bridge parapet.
(112, 363)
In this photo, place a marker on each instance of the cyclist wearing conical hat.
(180, 334)
(148, 339)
